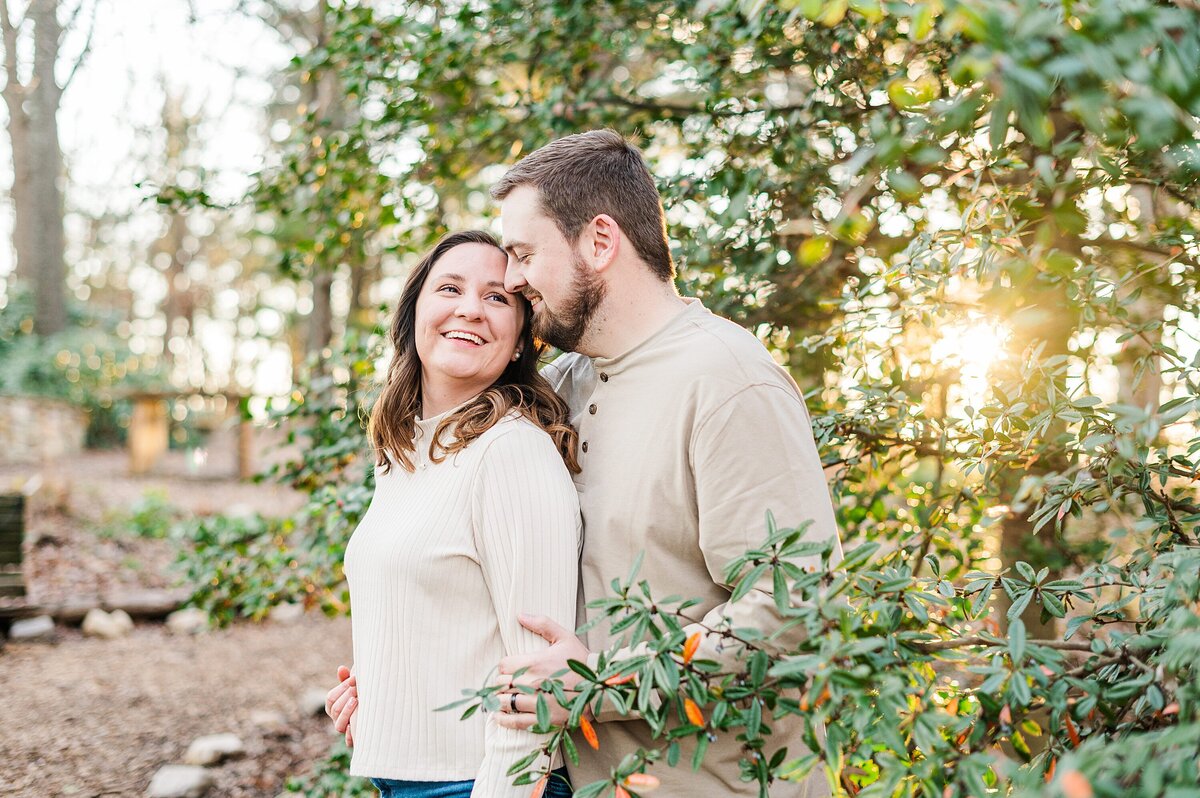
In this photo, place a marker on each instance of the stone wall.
(35, 428)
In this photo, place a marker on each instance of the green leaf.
(1016, 640)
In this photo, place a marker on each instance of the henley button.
(592, 409)
(603, 377)
(585, 446)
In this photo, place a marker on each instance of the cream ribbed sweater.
(441, 564)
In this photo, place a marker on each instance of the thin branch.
(12, 87)
(976, 640)
(87, 44)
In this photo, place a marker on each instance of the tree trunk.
(44, 259)
(320, 321)
(18, 134)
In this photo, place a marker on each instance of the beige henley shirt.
(686, 441)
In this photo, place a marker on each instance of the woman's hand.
(341, 703)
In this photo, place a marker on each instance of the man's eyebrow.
(509, 246)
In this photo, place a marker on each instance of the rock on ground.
(180, 781)
(212, 748)
(312, 700)
(189, 621)
(286, 613)
(108, 625)
(29, 630)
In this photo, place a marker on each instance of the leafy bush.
(970, 230)
(84, 365)
(241, 567)
(151, 516)
(330, 778)
(917, 692)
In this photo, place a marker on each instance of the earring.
(516, 355)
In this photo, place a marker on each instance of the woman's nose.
(469, 307)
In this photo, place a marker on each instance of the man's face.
(547, 269)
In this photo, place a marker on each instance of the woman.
(474, 520)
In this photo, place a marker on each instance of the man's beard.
(565, 329)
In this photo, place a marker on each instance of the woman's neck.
(437, 399)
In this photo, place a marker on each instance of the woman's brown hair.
(392, 425)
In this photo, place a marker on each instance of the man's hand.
(539, 667)
(341, 703)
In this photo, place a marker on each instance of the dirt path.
(86, 717)
(97, 718)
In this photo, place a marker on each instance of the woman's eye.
(499, 297)
(453, 288)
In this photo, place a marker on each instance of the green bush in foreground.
(916, 692)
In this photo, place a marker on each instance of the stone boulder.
(188, 621)
(213, 748)
(180, 781)
(107, 625)
(33, 630)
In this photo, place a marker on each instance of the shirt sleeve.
(527, 533)
(753, 453)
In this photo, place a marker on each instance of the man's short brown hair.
(581, 176)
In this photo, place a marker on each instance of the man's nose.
(514, 280)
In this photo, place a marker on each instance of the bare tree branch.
(299, 23)
(12, 86)
(87, 44)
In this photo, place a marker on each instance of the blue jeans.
(559, 786)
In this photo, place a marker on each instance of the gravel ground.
(86, 717)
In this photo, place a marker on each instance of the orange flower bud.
(689, 648)
(540, 787)
(694, 715)
(1075, 785)
(589, 733)
(619, 678)
(642, 782)
(1072, 732)
(621, 792)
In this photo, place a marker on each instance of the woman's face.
(467, 327)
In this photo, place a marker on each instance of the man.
(689, 431)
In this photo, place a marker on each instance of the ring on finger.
(512, 703)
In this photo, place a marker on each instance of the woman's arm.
(526, 519)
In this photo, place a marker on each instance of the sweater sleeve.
(527, 532)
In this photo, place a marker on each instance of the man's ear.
(601, 242)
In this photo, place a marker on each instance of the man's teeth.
(465, 336)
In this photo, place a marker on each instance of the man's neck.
(630, 316)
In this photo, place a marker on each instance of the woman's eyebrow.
(461, 279)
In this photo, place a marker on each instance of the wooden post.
(245, 449)
(148, 433)
(12, 532)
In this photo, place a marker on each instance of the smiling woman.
(454, 293)
(482, 503)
